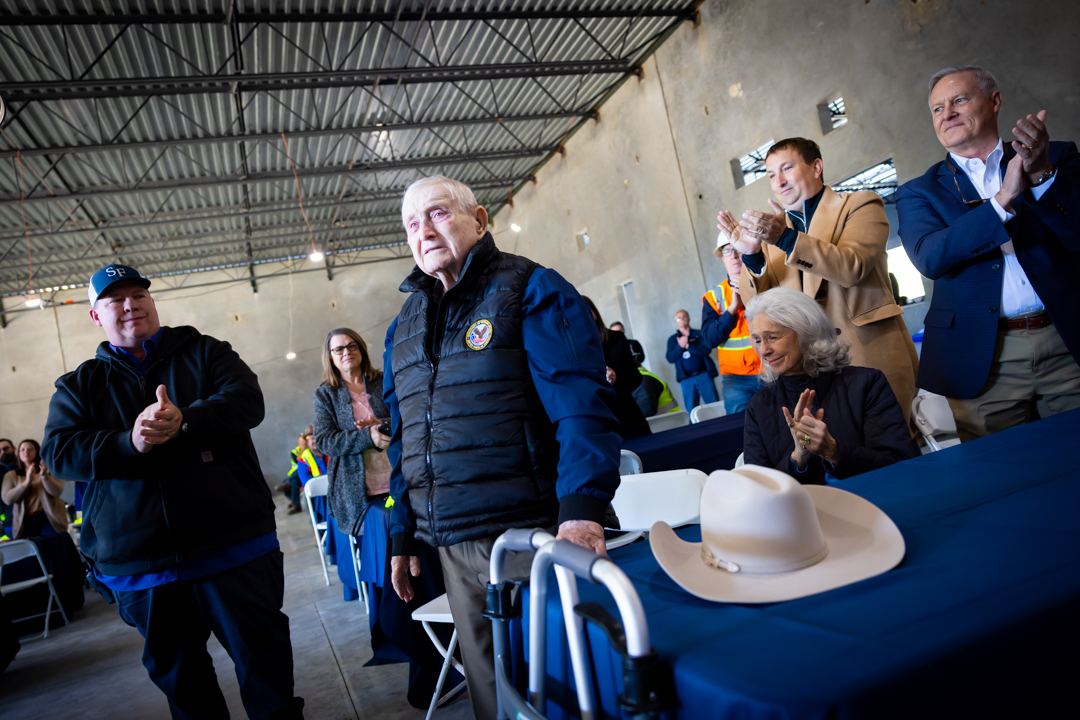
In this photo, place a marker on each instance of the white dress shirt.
(1018, 297)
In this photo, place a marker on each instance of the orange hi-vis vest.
(736, 356)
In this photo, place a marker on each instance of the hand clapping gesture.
(157, 424)
(810, 433)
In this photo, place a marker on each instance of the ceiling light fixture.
(33, 301)
(515, 227)
(290, 355)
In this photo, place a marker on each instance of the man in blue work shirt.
(694, 369)
(501, 414)
(178, 522)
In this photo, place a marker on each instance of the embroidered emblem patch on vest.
(479, 335)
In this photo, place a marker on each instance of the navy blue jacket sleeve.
(936, 246)
(402, 521)
(1059, 207)
(673, 349)
(715, 327)
(566, 361)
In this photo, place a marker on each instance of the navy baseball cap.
(110, 274)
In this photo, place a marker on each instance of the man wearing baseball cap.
(178, 521)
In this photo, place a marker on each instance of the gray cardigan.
(337, 436)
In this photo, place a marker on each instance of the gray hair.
(822, 351)
(460, 194)
(983, 78)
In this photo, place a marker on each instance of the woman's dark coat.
(861, 413)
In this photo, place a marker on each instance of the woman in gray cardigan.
(348, 412)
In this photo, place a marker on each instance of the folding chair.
(362, 588)
(673, 496)
(11, 552)
(668, 421)
(707, 411)
(438, 611)
(317, 487)
(642, 696)
(934, 417)
(630, 463)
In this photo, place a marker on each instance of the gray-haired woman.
(818, 417)
(348, 412)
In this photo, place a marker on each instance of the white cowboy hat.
(766, 538)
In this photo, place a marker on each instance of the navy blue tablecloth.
(979, 620)
(707, 446)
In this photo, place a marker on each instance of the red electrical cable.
(298, 195)
(26, 230)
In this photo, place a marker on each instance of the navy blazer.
(959, 249)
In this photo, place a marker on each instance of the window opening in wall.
(833, 115)
(880, 178)
(751, 166)
(583, 239)
(908, 279)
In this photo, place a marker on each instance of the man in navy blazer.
(997, 228)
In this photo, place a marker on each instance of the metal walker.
(642, 696)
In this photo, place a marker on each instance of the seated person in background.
(830, 246)
(653, 396)
(694, 369)
(724, 327)
(818, 417)
(34, 495)
(635, 347)
(287, 485)
(310, 464)
(293, 479)
(623, 375)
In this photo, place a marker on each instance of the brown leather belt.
(1026, 323)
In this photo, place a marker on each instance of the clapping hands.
(157, 424)
(810, 433)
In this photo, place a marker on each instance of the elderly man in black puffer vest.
(501, 414)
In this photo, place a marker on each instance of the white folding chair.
(668, 421)
(673, 496)
(362, 588)
(630, 463)
(14, 551)
(934, 418)
(707, 411)
(438, 611)
(317, 487)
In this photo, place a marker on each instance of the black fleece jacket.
(200, 491)
(861, 413)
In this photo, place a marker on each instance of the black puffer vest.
(479, 453)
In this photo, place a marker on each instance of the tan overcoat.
(845, 268)
(15, 494)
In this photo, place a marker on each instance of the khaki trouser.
(1032, 376)
(465, 572)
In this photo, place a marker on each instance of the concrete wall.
(649, 179)
(39, 346)
(646, 182)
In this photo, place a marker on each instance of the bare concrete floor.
(93, 669)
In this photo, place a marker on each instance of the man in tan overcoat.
(830, 246)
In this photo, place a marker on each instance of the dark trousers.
(242, 607)
(295, 489)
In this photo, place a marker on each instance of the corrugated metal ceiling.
(150, 132)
